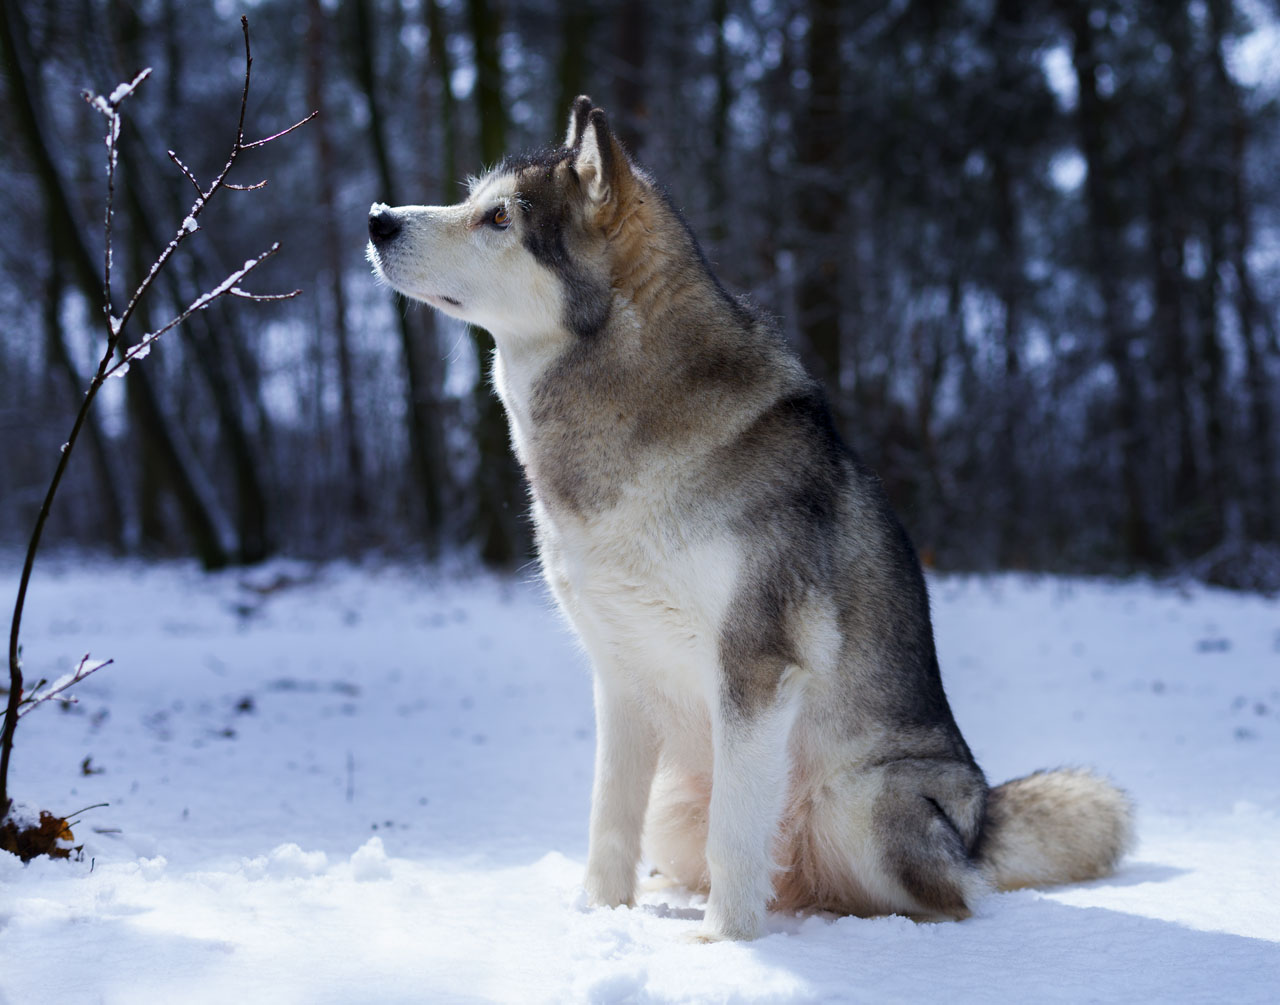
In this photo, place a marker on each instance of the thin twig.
(85, 809)
(70, 680)
(235, 291)
(109, 106)
(244, 96)
(187, 171)
(283, 132)
(227, 286)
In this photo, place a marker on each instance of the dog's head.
(527, 254)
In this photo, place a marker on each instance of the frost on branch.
(44, 691)
(28, 835)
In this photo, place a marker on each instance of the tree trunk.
(820, 201)
(169, 461)
(110, 522)
(631, 50)
(500, 527)
(152, 429)
(1010, 286)
(720, 165)
(1262, 522)
(438, 47)
(1104, 241)
(576, 21)
(355, 479)
(417, 329)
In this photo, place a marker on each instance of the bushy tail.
(1054, 827)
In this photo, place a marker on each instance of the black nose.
(383, 224)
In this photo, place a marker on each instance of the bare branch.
(283, 132)
(115, 324)
(109, 104)
(235, 291)
(187, 171)
(55, 691)
(143, 346)
(246, 188)
(244, 97)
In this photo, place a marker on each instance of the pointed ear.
(578, 113)
(599, 160)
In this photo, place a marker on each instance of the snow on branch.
(190, 224)
(55, 691)
(107, 106)
(227, 286)
(109, 365)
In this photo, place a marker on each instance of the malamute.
(771, 722)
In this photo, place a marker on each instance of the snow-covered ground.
(359, 784)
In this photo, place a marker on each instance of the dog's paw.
(705, 936)
(605, 890)
(721, 925)
(701, 937)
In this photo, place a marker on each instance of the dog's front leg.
(626, 756)
(748, 792)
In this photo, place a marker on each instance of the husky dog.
(771, 724)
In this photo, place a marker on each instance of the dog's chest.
(648, 600)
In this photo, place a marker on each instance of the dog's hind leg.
(748, 793)
(626, 756)
(926, 822)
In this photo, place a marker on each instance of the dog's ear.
(599, 160)
(578, 113)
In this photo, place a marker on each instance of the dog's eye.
(499, 217)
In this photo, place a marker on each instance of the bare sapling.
(25, 832)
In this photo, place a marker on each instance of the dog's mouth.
(439, 299)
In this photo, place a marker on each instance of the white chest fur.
(648, 602)
(645, 591)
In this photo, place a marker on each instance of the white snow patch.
(152, 868)
(256, 726)
(285, 861)
(369, 861)
(24, 816)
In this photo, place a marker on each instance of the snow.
(122, 91)
(190, 225)
(357, 783)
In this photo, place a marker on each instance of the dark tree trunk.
(500, 527)
(1260, 495)
(110, 522)
(438, 42)
(152, 431)
(317, 64)
(417, 329)
(1104, 223)
(1007, 26)
(576, 22)
(631, 50)
(820, 199)
(721, 163)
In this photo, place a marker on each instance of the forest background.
(1031, 246)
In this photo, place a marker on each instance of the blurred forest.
(1032, 246)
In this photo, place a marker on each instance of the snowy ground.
(372, 785)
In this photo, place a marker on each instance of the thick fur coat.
(771, 722)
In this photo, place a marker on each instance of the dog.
(771, 723)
